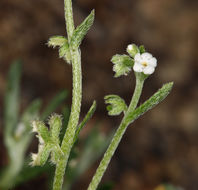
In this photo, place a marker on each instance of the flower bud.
(132, 50)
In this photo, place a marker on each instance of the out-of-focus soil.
(160, 147)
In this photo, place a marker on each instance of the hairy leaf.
(48, 141)
(55, 123)
(122, 64)
(42, 130)
(116, 104)
(57, 41)
(85, 120)
(82, 30)
(159, 96)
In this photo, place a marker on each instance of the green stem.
(76, 101)
(117, 137)
(69, 18)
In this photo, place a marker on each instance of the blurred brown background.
(162, 146)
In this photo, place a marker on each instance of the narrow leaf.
(82, 30)
(11, 100)
(65, 114)
(159, 96)
(85, 120)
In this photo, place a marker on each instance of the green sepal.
(132, 50)
(116, 104)
(142, 49)
(159, 96)
(82, 30)
(57, 41)
(122, 64)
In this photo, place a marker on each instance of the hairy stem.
(76, 101)
(69, 18)
(117, 137)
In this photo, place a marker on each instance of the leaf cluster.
(65, 46)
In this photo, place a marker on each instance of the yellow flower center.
(144, 64)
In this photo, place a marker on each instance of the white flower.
(145, 63)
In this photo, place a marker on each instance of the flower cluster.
(138, 59)
(143, 62)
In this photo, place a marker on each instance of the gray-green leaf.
(82, 30)
(85, 120)
(116, 104)
(11, 100)
(159, 96)
(122, 64)
(57, 41)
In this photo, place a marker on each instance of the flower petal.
(138, 58)
(148, 70)
(137, 67)
(153, 62)
(146, 56)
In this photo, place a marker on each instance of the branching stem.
(118, 136)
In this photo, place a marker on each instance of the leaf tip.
(93, 12)
(168, 86)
